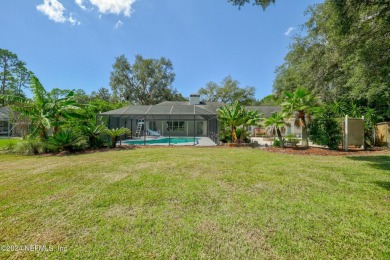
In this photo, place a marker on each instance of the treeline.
(14, 76)
(345, 56)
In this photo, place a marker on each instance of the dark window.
(176, 125)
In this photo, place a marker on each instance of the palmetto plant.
(64, 140)
(274, 123)
(300, 105)
(92, 131)
(115, 133)
(236, 115)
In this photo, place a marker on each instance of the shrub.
(65, 140)
(325, 129)
(115, 133)
(29, 147)
(242, 135)
(276, 143)
(93, 132)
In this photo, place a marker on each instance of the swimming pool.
(165, 140)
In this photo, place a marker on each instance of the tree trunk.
(234, 134)
(113, 141)
(305, 142)
(280, 137)
(3, 80)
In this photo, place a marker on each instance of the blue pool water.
(165, 140)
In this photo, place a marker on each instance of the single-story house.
(177, 118)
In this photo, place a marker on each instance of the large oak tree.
(146, 82)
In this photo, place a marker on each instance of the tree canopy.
(146, 82)
(262, 3)
(14, 76)
(345, 55)
(228, 91)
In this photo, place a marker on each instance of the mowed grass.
(184, 203)
(6, 141)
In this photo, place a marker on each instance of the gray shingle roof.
(184, 108)
(265, 111)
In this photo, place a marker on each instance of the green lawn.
(5, 141)
(183, 203)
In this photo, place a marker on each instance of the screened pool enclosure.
(168, 119)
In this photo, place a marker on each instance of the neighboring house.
(7, 125)
(175, 118)
(265, 112)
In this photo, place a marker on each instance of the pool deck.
(202, 141)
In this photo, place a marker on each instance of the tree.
(300, 104)
(13, 74)
(22, 77)
(209, 92)
(270, 100)
(236, 115)
(146, 82)
(344, 55)
(228, 92)
(325, 129)
(115, 133)
(274, 123)
(262, 3)
(102, 93)
(45, 111)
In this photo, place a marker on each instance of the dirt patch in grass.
(327, 152)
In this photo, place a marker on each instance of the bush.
(325, 129)
(29, 147)
(276, 143)
(65, 140)
(242, 135)
(292, 138)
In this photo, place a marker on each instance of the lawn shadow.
(381, 162)
(383, 184)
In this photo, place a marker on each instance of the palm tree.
(236, 115)
(115, 133)
(231, 115)
(274, 123)
(300, 104)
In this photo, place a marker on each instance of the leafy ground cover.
(177, 202)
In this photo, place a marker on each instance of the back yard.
(217, 203)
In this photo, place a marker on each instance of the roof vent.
(194, 99)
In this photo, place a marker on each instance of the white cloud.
(80, 3)
(289, 30)
(73, 21)
(55, 11)
(118, 24)
(114, 6)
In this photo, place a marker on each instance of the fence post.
(346, 132)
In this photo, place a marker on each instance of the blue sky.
(72, 44)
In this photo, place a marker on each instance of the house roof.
(265, 111)
(182, 108)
